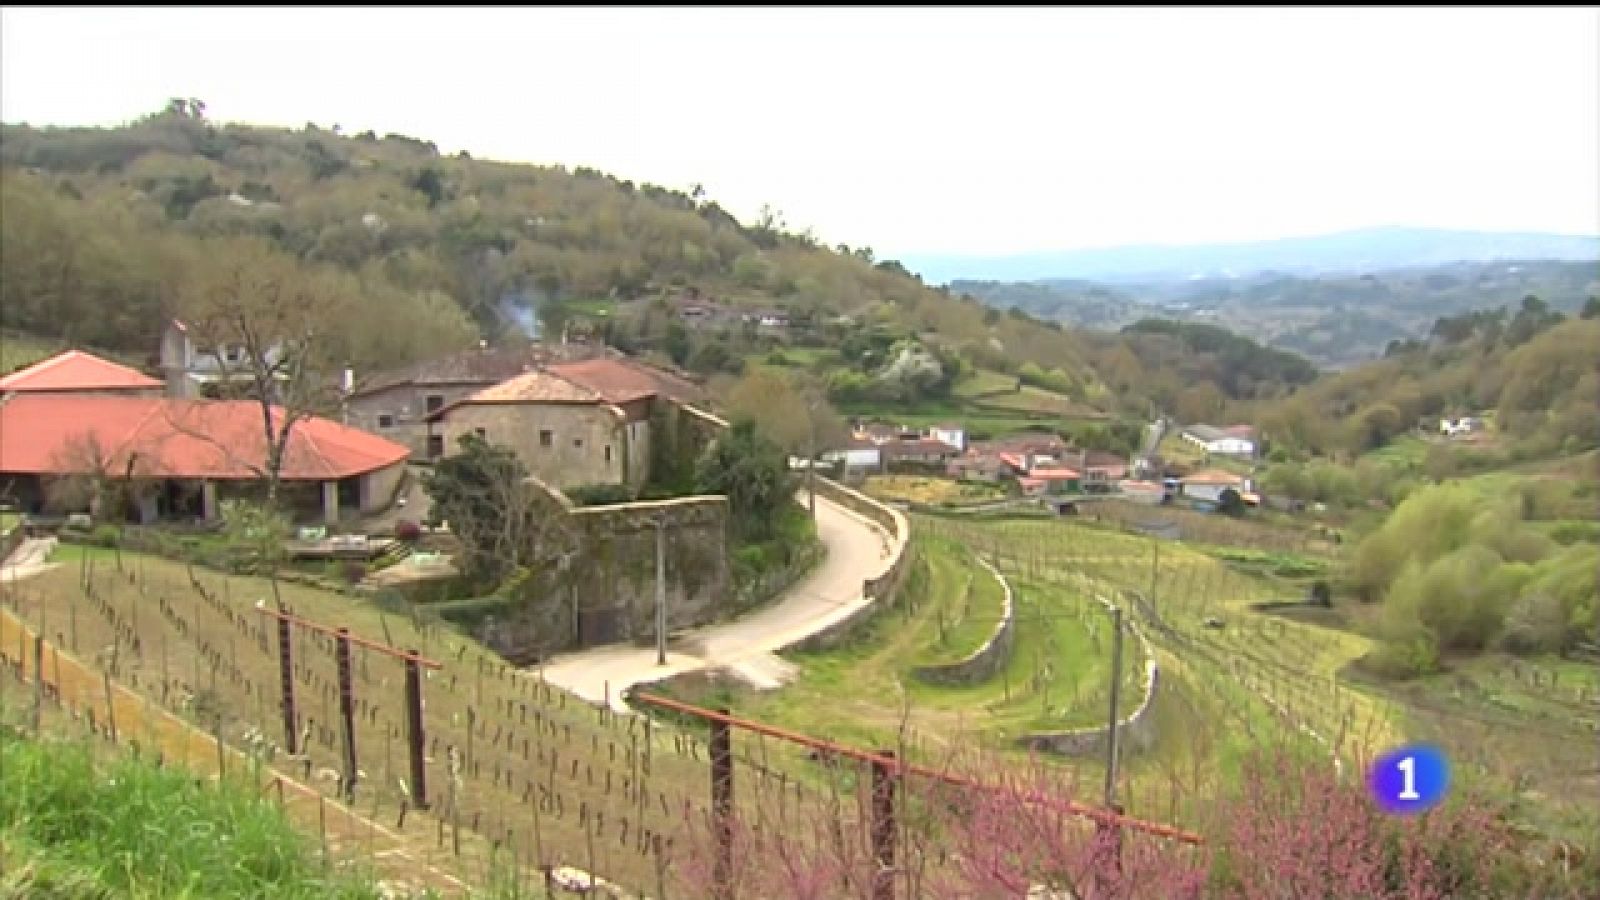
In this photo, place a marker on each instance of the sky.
(916, 131)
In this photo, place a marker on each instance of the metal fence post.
(722, 806)
(286, 673)
(883, 827)
(415, 737)
(347, 710)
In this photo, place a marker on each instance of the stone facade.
(399, 412)
(564, 444)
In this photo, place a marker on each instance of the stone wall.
(1136, 732)
(988, 659)
(885, 585)
(606, 591)
(878, 592)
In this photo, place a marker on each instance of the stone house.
(397, 403)
(571, 424)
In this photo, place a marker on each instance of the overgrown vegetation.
(1458, 574)
(72, 825)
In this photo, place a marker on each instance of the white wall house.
(954, 435)
(1236, 441)
(859, 455)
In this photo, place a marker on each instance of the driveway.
(857, 550)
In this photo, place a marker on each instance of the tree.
(752, 472)
(265, 319)
(1230, 503)
(503, 521)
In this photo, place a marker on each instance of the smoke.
(517, 308)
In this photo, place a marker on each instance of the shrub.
(105, 535)
(353, 571)
(599, 494)
(407, 530)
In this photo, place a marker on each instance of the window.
(386, 421)
(546, 438)
(232, 352)
(435, 446)
(608, 453)
(577, 442)
(435, 402)
(481, 433)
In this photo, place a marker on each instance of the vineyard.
(1054, 676)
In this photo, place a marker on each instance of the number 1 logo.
(1410, 779)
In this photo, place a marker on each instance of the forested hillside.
(1536, 369)
(103, 227)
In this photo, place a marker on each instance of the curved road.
(857, 550)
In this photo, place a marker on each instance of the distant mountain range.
(1333, 319)
(1349, 252)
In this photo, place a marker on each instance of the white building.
(954, 435)
(1236, 441)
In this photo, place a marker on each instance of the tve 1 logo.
(1409, 780)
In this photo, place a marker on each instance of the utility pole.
(1116, 687)
(811, 464)
(661, 591)
(1155, 566)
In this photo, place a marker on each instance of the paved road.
(857, 550)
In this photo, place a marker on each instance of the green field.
(18, 350)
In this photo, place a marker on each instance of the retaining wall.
(1136, 732)
(985, 661)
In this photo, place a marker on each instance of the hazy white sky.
(915, 131)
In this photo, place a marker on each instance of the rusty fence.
(888, 772)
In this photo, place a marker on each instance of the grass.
(72, 824)
(18, 350)
(982, 382)
(8, 521)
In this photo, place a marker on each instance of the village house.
(858, 455)
(1208, 485)
(191, 370)
(180, 458)
(976, 466)
(920, 452)
(397, 403)
(950, 433)
(1238, 440)
(572, 424)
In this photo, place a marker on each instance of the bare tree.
(265, 322)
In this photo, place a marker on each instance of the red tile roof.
(538, 386)
(620, 381)
(75, 370)
(1053, 474)
(1214, 476)
(167, 438)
